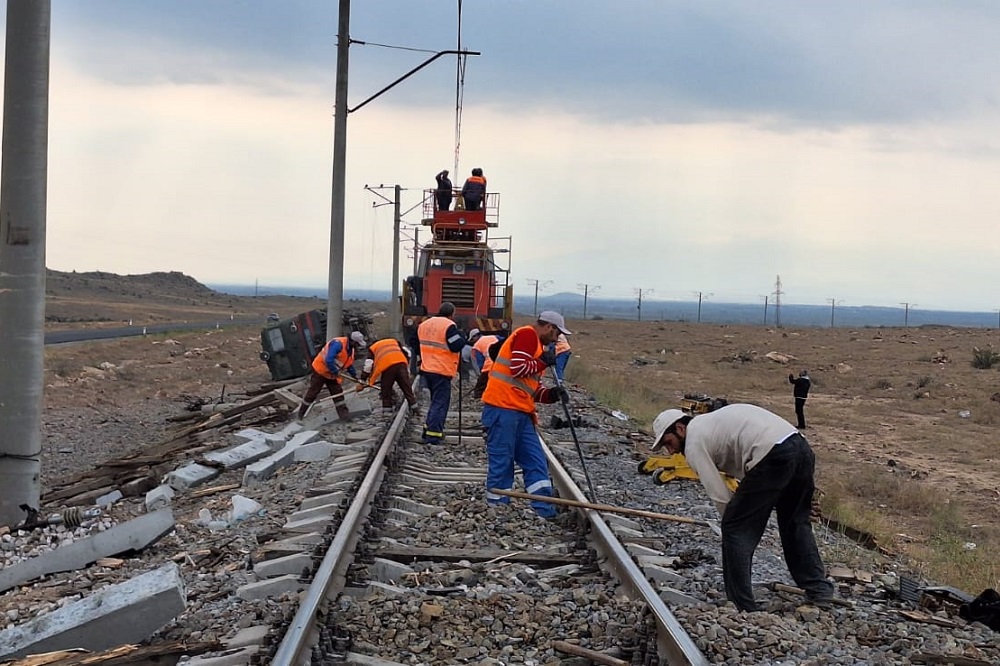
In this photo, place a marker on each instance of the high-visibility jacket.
(435, 357)
(482, 346)
(562, 344)
(509, 392)
(384, 353)
(345, 359)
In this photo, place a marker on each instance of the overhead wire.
(459, 91)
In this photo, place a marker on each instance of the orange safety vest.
(482, 346)
(345, 358)
(384, 353)
(435, 357)
(509, 392)
(562, 344)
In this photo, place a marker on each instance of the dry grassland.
(895, 455)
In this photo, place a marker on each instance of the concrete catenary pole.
(22, 253)
(395, 325)
(335, 296)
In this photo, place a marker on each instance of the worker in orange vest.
(509, 411)
(387, 362)
(481, 359)
(474, 190)
(563, 352)
(336, 356)
(441, 346)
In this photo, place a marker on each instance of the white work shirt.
(732, 439)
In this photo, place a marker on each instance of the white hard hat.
(359, 339)
(662, 423)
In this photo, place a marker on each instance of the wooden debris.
(593, 655)
(925, 618)
(124, 655)
(953, 659)
(843, 573)
(205, 492)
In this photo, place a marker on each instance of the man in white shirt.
(775, 467)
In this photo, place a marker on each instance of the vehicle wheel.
(657, 480)
(264, 356)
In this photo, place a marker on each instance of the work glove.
(548, 357)
(562, 395)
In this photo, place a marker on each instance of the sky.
(674, 147)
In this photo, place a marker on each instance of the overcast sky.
(851, 147)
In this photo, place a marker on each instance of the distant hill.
(110, 286)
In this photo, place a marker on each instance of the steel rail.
(674, 645)
(339, 555)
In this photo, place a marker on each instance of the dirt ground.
(886, 413)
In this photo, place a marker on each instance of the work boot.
(343, 413)
(303, 410)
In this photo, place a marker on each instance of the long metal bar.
(411, 73)
(292, 645)
(674, 645)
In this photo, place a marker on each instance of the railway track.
(387, 553)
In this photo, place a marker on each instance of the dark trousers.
(800, 412)
(440, 388)
(782, 481)
(396, 375)
(316, 384)
(444, 199)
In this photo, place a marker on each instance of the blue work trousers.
(561, 361)
(440, 388)
(511, 438)
(782, 482)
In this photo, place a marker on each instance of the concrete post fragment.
(115, 615)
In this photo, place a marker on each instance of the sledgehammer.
(711, 524)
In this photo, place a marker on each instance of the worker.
(481, 359)
(474, 190)
(443, 193)
(509, 415)
(800, 391)
(775, 467)
(563, 352)
(387, 363)
(441, 346)
(336, 356)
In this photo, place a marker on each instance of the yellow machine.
(665, 469)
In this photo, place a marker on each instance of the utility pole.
(833, 308)
(538, 284)
(765, 310)
(699, 304)
(335, 281)
(906, 313)
(416, 249)
(639, 291)
(777, 302)
(23, 186)
(394, 309)
(586, 288)
(335, 305)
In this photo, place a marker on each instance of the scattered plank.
(593, 655)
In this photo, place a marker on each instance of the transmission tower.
(777, 302)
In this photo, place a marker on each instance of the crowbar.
(572, 430)
(608, 508)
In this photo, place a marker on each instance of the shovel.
(711, 524)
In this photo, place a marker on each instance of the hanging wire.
(459, 91)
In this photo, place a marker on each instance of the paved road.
(81, 335)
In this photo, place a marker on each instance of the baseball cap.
(474, 332)
(359, 339)
(662, 423)
(556, 319)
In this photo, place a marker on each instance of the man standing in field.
(509, 411)
(800, 391)
(775, 467)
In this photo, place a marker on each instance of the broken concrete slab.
(319, 500)
(159, 498)
(676, 597)
(317, 523)
(659, 574)
(265, 467)
(414, 507)
(135, 534)
(233, 657)
(361, 435)
(241, 455)
(388, 571)
(314, 452)
(116, 615)
(191, 475)
(314, 512)
(246, 637)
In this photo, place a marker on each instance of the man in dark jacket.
(443, 192)
(801, 392)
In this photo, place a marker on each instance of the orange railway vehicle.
(462, 263)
